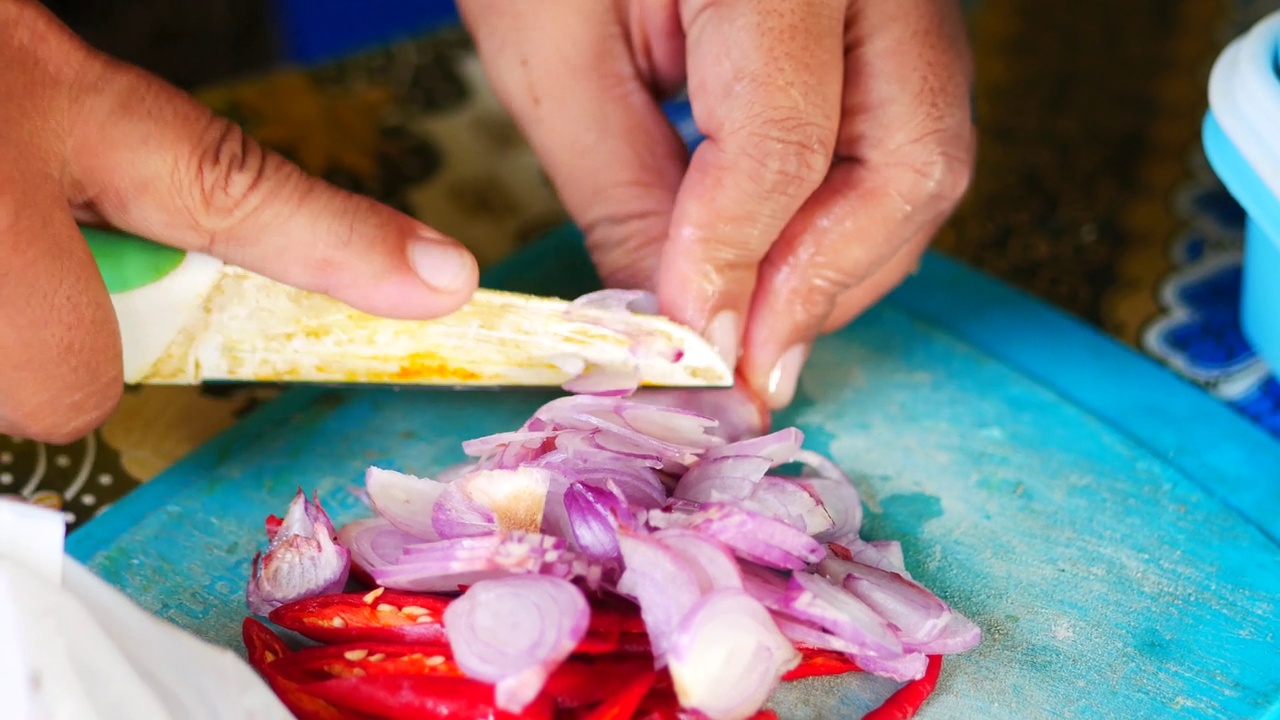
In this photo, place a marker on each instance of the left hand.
(839, 139)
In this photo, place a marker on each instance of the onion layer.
(514, 631)
(301, 560)
(728, 655)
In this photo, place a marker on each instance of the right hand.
(88, 138)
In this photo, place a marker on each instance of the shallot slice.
(444, 565)
(594, 514)
(661, 583)
(374, 542)
(918, 614)
(514, 631)
(727, 656)
(814, 599)
(754, 537)
(606, 381)
(778, 447)
(301, 560)
(712, 563)
(618, 301)
(490, 500)
(403, 500)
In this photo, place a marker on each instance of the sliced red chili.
(660, 714)
(840, 551)
(273, 526)
(422, 697)
(626, 612)
(816, 663)
(379, 616)
(906, 702)
(262, 645)
(634, 644)
(624, 704)
(661, 698)
(580, 682)
(315, 664)
(266, 651)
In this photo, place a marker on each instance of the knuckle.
(791, 154)
(228, 175)
(941, 169)
(947, 174)
(812, 290)
(815, 297)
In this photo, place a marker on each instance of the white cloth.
(72, 647)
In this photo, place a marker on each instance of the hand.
(839, 139)
(86, 138)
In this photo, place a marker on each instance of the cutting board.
(1112, 529)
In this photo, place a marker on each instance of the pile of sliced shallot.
(636, 497)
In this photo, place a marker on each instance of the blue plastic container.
(315, 31)
(1242, 142)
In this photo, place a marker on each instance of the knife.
(187, 318)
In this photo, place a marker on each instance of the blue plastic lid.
(1244, 101)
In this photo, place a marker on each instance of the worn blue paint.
(1111, 528)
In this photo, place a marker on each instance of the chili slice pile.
(373, 664)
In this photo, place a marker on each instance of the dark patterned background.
(1091, 191)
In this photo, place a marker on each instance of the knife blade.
(188, 319)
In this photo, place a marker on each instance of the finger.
(151, 160)
(908, 140)
(60, 367)
(764, 85)
(784, 375)
(859, 298)
(578, 93)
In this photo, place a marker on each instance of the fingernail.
(443, 265)
(785, 376)
(723, 333)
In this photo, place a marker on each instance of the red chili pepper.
(378, 616)
(266, 650)
(816, 663)
(602, 634)
(661, 698)
(661, 714)
(315, 664)
(624, 704)
(634, 644)
(263, 646)
(625, 612)
(840, 551)
(906, 702)
(422, 697)
(579, 682)
(273, 526)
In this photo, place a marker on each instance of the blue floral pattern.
(1199, 333)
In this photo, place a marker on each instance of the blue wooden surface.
(1111, 528)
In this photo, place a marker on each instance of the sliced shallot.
(727, 656)
(404, 500)
(302, 559)
(661, 583)
(514, 631)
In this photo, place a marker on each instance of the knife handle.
(128, 262)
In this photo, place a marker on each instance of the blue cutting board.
(1112, 529)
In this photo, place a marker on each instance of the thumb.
(151, 160)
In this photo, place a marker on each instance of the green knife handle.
(128, 262)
